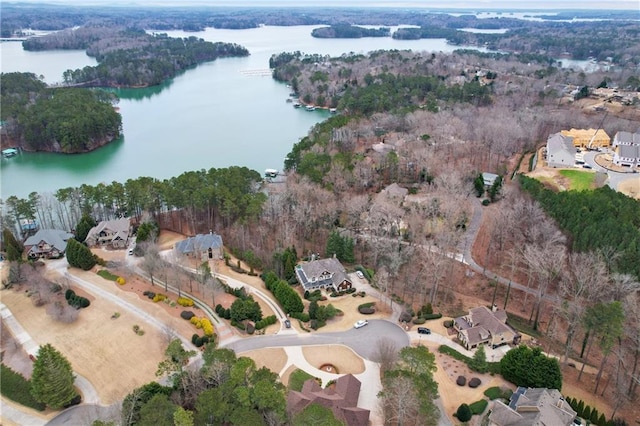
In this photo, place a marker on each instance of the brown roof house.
(533, 407)
(47, 244)
(323, 273)
(112, 233)
(342, 400)
(485, 326)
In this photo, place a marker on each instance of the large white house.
(561, 151)
(626, 149)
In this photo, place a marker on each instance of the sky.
(451, 4)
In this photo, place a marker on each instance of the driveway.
(363, 340)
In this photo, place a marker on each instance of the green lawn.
(580, 180)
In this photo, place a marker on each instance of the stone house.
(201, 246)
(485, 326)
(47, 244)
(323, 273)
(110, 233)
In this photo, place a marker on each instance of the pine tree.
(479, 361)
(464, 413)
(12, 246)
(52, 378)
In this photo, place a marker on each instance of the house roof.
(533, 406)
(316, 268)
(53, 237)
(200, 242)
(481, 323)
(120, 227)
(489, 178)
(629, 151)
(626, 138)
(394, 191)
(342, 400)
(560, 143)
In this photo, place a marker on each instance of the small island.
(349, 31)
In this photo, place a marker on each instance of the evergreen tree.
(83, 227)
(478, 185)
(479, 360)
(52, 378)
(79, 255)
(464, 413)
(12, 246)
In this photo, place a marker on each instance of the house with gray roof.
(532, 407)
(47, 244)
(341, 399)
(110, 233)
(202, 246)
(323, 273)
(485, 326)
(627, 149)
(561, 151)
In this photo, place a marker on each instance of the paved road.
(362, 341)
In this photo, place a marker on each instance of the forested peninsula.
(66, 120)
(349, 31)
(130, 57)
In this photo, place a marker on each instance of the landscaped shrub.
(405, 317)
(159, 298)
(351, 290)
(238, 325)
(227, 314)
(149, 294)
(121, 281)
(187, 315)
(494, 367)
(464, 413)
(196, 321)
(461, 381)
(251, 328)
(302, 316)
(207, 327)
(418, 320)
(478, 407)
(76, 301)
(194, 338)
(185, 301)
(448, 324)
(475, 382)
(432, 316)
(367, 311)
(107, 275)
(264, 322)
(68, 294)
(496, 392)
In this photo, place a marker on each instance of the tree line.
(67, 120)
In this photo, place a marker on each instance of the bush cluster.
(314, 295)
(586, 412)
(149, 294)
(493, 367)
(222, 312)
(204, 324)
(198, 341)
(367, 308)
(432, 316)
(448, 324)
(302, 316)
(76, 301)
(159, 297)
(418, 321)
(265, 322)
(121, 281)
(496, 392)
(238, 325)
(107, 275)
(138, 330)
(478, 407)
(185, 301)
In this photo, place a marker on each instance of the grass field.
(579, 180)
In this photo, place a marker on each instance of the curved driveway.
(363, 340)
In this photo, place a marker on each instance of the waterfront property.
(323, 273)
(627, 149)
(202, 246)
(47, 244)
(110, 233)
(485, 326)
(9, 152)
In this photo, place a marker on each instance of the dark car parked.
(424, 330)
(287, 323)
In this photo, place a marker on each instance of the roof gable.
(54, 237)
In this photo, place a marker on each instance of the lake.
(218, 114)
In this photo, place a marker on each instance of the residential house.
(588, 138)
(202, 246)
(532, 407)
(110, 233)
(485, 326)
(341, 399)
(627, 149)
(28, 226)
(561, 151)
(47, 244)
(323, 273)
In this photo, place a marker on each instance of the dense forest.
(67, 120)
(131, 58)
(602, 35)
(349, 31)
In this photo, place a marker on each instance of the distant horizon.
(488, 5)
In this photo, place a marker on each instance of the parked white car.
(360, 323)
(360, 274)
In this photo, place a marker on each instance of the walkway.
(89, 393)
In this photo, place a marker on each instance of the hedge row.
(185, 301)
(265, 322)
(222, 312)
(288, 298)
(198, 341)
(107, 275)
(76, 301)
(302, 316)
(159, 297)
(586, 412)
(204, 324)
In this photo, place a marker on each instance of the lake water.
(219, 114)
